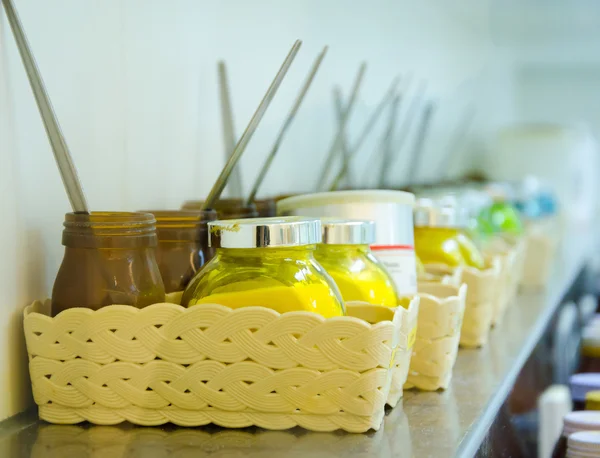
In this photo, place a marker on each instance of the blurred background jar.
(266, 262)
(110, 258)
(441, 235)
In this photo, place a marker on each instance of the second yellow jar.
(346, 256)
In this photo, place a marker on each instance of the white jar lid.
(584, 444)
(582, 383)
(586, 420)
(344, 197)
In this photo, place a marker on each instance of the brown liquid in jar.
(109, 259)
(182, 245)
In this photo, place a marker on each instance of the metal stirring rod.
(377, 112)
(333, 149)
(459, 137)
(339, 111)
(286, 125)
(61, 152)
(417, 151)
(242, 143)
(386, 141)
(235, 184)
(411, 114)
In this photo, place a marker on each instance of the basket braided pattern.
(212, 364)
(188, 335)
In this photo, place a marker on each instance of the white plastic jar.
(392, 212)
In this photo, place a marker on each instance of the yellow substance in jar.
(310, 298)
(284, 279)
(438, 245)
(358, 274)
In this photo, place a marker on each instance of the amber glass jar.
(109, 259)
(182, 245)
(226, 208)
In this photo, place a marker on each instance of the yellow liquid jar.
(267, 262)
(440, 236)
(346, 256)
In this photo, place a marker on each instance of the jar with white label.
(392, 212)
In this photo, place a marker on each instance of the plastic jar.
(440, 236)
(266, 262)
(226, 208)
(392, 212)
(182, 245)
(580, 385)
(346, 256)
(575, 422)
(584, 444)
(109, 259)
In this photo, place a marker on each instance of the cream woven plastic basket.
(211, 364)
(441, 312)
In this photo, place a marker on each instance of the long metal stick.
(242, 143)
(409, 117)
(333, 149)
(62, 156)
(386, 142)
(339, 111)
(377, 112)
(286, 125)
(235, 185)
(458, 138)
(417, 151)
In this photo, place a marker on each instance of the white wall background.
(134, 85)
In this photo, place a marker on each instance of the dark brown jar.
(110, 258)
(182, 245)
(226, 208)
(266, 208)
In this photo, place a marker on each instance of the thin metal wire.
(59, 146)
(235, 184)
(286, 125)
(242, 143)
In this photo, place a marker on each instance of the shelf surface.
(439, 424)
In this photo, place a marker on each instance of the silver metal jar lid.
(347, 232)
(442, 213)
(264, 232)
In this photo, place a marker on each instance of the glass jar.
(226, 208)
(109, 259)
(592, 400)
(440, 236)
(266, 262)
(581, 385)
(575, 422)
(346, 256)
(182, 245)
(590, 350)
